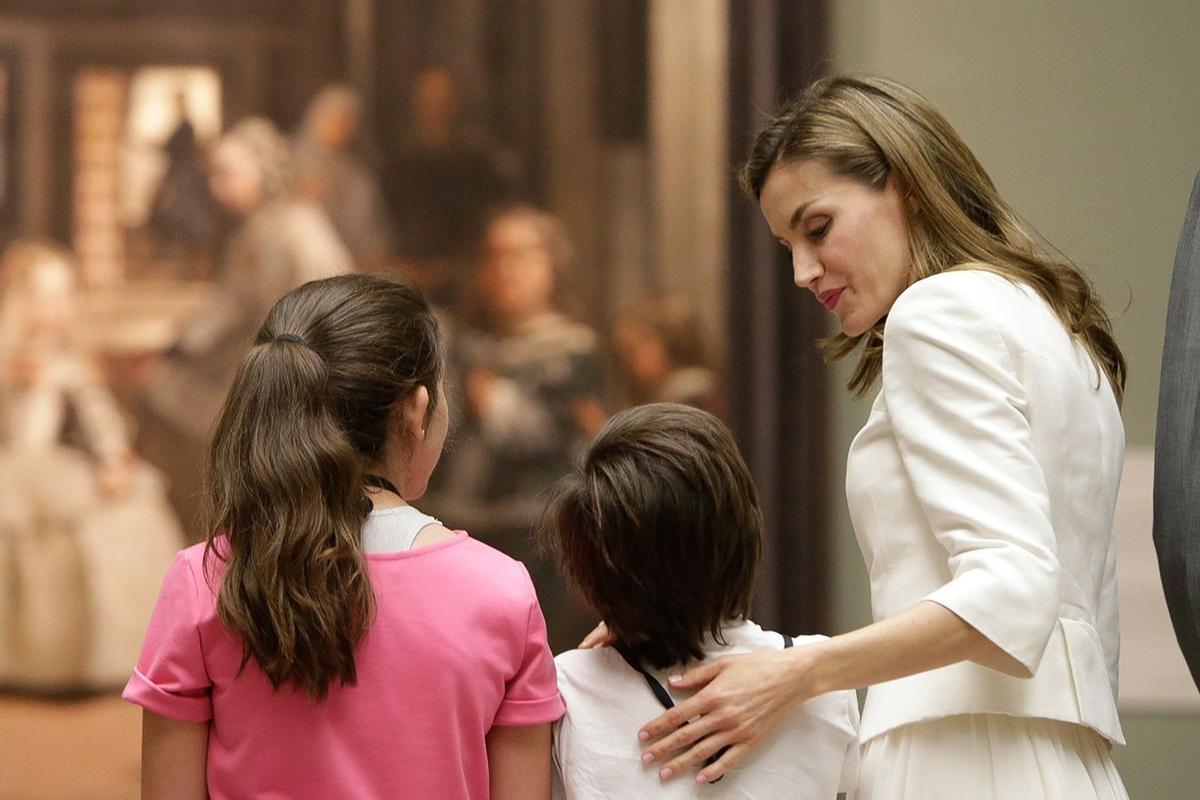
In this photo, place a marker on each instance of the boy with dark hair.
(659, 529)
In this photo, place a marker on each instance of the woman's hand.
(743, 700)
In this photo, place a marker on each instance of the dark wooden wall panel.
(777, 380)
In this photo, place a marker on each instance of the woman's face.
(517, 274)
(235, 178)
(849, 242)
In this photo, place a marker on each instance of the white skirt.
(988, 757)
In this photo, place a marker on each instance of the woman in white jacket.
(981, 488)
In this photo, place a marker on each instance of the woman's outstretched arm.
(745, 698)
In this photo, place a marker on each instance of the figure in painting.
(184, 220)
(330, 169)
(532, 385)
(661, 352)
(85, 530)
(440, 187)
(280, 243)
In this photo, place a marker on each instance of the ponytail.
(307, 412)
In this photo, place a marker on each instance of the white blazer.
(985, 480)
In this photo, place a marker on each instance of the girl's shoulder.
(498, 566)
(203, 566)
(495, 579)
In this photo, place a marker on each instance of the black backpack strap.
(787, 641)
(660, 692)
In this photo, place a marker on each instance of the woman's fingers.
(680, 735)
(745, 699)
(727, 761)
(599, 637)
(697, 677)
(700, 752)
(671, 719)
(692, 707)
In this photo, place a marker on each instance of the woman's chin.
(851, 328)
(855, 326)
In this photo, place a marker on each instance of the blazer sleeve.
(961, 421)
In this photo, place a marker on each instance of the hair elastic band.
(300, 340)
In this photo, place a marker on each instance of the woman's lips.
(829, 299)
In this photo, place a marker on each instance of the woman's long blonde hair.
(868, 128)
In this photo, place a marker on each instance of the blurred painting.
(171, 111)
(142, 207)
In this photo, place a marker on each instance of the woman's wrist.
(807, 670)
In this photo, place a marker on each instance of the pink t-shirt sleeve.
(531, 696)
(170, 678)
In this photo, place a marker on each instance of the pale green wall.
(1087, 116)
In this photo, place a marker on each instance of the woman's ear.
(908, 198)
(414, 412)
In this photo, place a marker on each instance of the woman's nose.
(805, 268)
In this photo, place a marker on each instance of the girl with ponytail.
(329, 640)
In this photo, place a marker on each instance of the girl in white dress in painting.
(85, 531)
(981, 488)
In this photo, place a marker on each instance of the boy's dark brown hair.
(306, 417)
(659, 528)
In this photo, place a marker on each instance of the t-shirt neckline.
(458, 538)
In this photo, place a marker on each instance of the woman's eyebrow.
(799, 211)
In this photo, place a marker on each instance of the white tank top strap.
(392, 530)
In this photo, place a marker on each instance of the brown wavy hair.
(869, 128)
(307, 415)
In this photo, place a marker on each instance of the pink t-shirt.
(457, 645)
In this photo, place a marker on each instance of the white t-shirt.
(814, 754)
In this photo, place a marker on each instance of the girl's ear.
(414, 412)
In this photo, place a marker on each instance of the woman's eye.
(820, 230)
